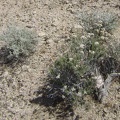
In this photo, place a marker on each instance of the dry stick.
(115, 74)
(103, 89)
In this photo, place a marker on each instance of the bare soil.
(53, 21)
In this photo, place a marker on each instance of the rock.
(77, 29)
(50, 42)
(29, 26)
(17, 72)
(71, 10)
(25, 68)
(65, 1)
(105, 110)
(42, 34)
(55, 22)
(6, 73)
(2, 44)
(34, 12)
(41, 42)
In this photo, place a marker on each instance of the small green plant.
(19, 42)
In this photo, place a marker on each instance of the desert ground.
(53, 21)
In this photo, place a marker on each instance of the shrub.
(98, 22)
(71, 77)
(67, 84)
(19, 42)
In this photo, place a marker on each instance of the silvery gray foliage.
(19, 41)
(115, 50)
(97, 20)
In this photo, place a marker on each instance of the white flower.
(63, 96)
(97, 30)
(65, 87)
(58, 76)
(83, 37)
(88, 36)
(92, 52)
(82, 46)
(81, 52)
(96, 43)
(73, 89)
(100, 21)
(91, 34)
(102, 37)
(77, 66)
(79, 94)
(70, 59)
(85, 92)
(100, 25)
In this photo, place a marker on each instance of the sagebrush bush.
(98, 22)
(19, 42)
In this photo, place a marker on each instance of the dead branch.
(103, 85)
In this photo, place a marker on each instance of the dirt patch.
(53, 21)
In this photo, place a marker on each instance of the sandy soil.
(53, 21)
